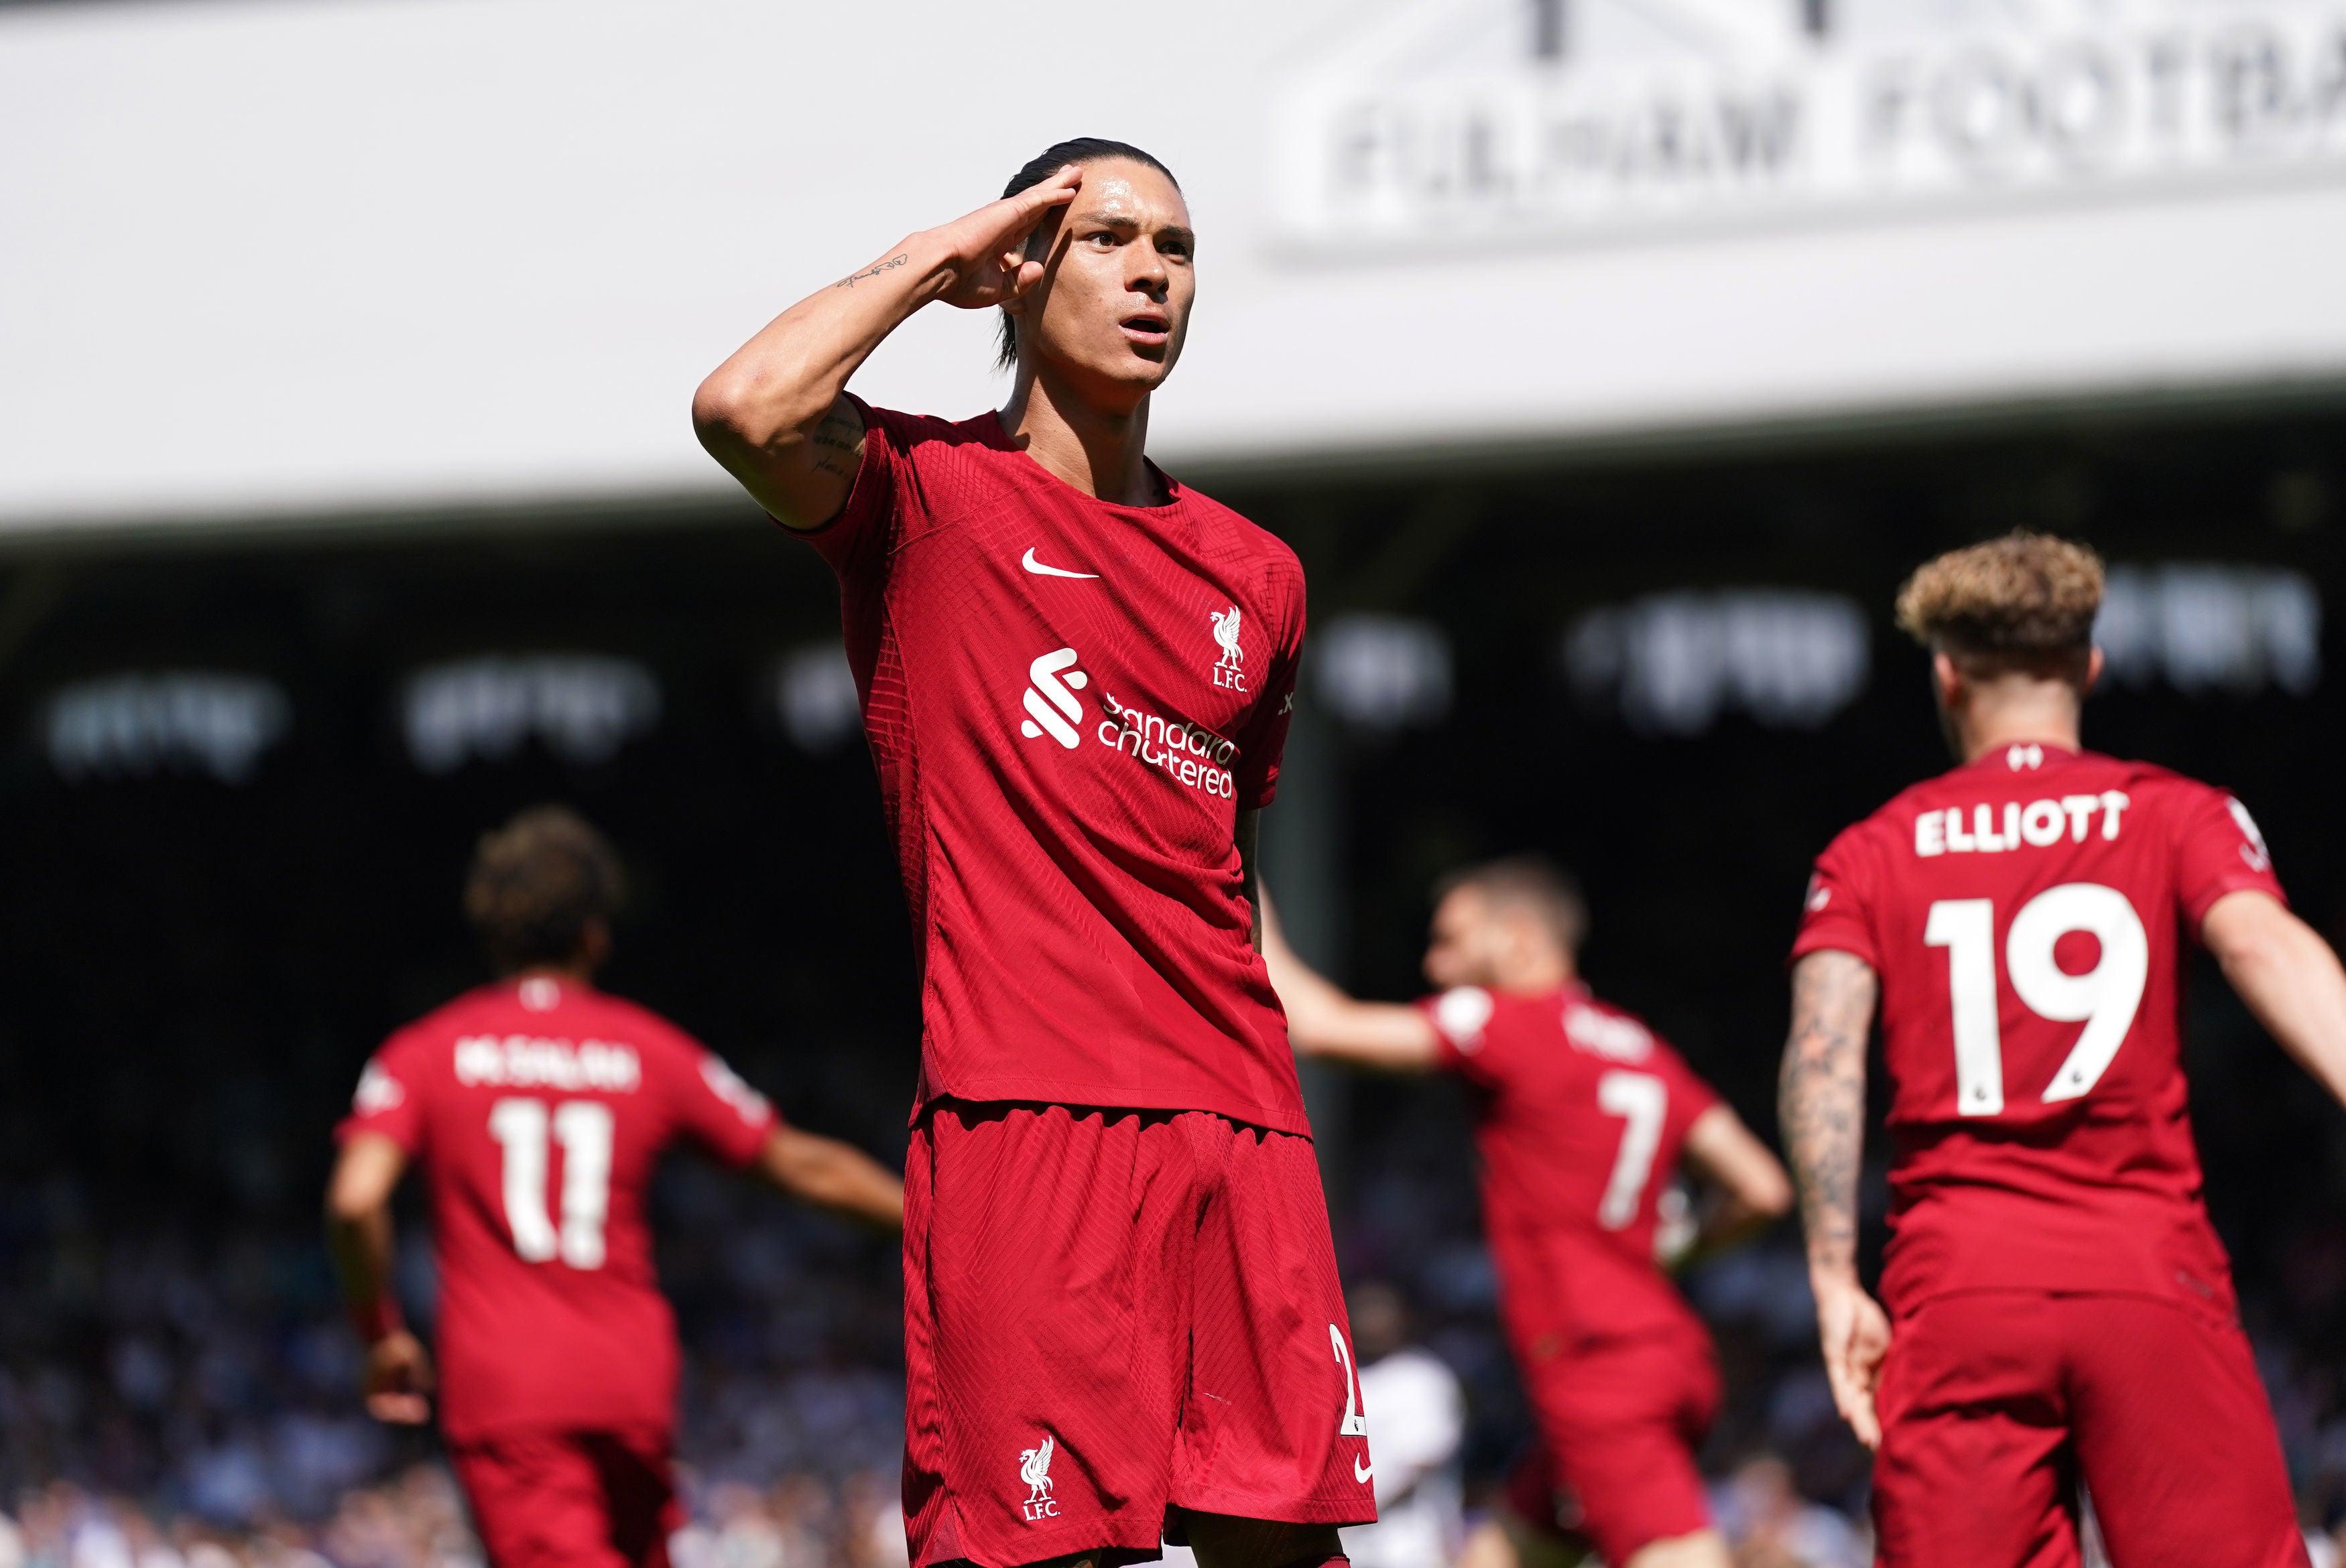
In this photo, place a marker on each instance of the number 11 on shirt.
(583, 1128)
(2104, 997)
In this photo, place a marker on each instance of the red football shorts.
(1995, 1404)
(571, 1500)
(1112, 1313)
(1619, 1422)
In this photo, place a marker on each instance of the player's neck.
(1102, 452)
(1536, 979)
(578, 971)
(1982, 731)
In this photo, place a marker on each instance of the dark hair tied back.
(1082, 149)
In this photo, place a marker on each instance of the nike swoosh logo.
(1363, 1471)
(1040, 570)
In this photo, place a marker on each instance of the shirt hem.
(1107, 1097)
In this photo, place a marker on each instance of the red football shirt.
(537, 1109)
(1580, 1113)
(2026, 916)
(1070, 702)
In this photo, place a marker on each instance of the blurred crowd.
(168, 1401)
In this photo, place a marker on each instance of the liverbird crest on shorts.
(1034, 1470)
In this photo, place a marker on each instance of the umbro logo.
(1040, 570)
(1051, 707)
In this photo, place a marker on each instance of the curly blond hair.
(2023, 599)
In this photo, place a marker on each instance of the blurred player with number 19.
(2059, 1306)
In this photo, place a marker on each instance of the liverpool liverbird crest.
(1034, 1470)
(1230, 673)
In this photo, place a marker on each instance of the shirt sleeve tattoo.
(839, 443)
(1821, 1098)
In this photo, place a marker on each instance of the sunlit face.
(1468, 942)
(1112, 306)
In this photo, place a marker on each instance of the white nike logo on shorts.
(1040, 570)
(1363, 1471)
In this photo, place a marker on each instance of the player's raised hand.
(397, 1381)
(1856, 1336)
(988, 246)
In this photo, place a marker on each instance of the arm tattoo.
(873, 271)
(839, 445)
(1821, 1098)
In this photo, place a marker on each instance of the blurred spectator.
(1417, 1423)
(1770, 1525)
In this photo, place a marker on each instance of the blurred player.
(1122, 1319)
(538, 1106)
(2060, 1308)
(1580, 1117)
(1417, 1416)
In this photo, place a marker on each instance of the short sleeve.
(1836, 912)
(861, 534)
(1690, 1095)
(389, 1097)
(1263, 742)
(2219, 849)
(1460, 1017)
(714, 1108)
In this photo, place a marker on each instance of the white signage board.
(268, 262)
(1459, 120)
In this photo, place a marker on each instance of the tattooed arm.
(775, 415)
(1821, 1102)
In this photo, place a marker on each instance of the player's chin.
(1147, 364)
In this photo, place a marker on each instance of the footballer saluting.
(1581, 1118)
(1122, 1319)
(2060, 1309)
(538, 1108)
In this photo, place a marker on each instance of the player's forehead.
(1128, 193)
(1461, 906)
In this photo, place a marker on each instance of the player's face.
(1113, 307)
(1468, 943)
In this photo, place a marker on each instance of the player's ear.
(1945, 677)
(2093, 671)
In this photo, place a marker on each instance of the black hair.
(538, 884)
(1042, 167)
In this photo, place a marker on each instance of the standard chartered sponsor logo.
(1051, 707)
(1186, 752)
(1196, 758)
(525, 1061)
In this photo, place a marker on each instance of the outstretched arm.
(1325, 1023)
(834, 1175)
(1753, 1190)
(2289, 977)
(397, 1377)
(774, 415)
(1822, 1100)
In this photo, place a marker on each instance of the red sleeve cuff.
(1835, 936)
